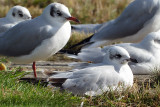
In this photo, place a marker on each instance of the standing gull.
(136, 21)
(145, 54)
(98, 78)
(15, 15)
(39, 38)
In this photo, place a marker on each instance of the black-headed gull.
(136, 21)
(146, 54)
(98, 78)
(15, 15)
(39, 38)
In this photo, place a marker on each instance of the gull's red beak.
(73, 19)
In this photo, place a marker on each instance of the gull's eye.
(20, 14)
(59, 13)
(118, 56)
(158, 41)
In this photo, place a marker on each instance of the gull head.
(56, 12)
(18, 14)
(117, 55)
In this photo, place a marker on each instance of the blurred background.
(87, 11)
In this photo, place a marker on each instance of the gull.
(136, 21)
(112, 73)
(39, 38)
(15, 15)
(145, 54)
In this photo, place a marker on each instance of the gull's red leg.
(34, 69)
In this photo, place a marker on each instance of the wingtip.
(82, 42)
(69, 51)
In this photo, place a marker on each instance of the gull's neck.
(12, 19)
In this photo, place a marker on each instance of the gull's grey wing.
(5, 24)
(94, 55)
(86, 28)
(5, 27)
(133, 18)
(91, 78)
(23, 38)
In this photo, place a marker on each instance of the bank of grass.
(14, 92)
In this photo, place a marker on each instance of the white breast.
(126, 75)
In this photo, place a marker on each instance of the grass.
(14, 92)
(99, 10)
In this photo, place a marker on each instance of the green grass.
(16, 93)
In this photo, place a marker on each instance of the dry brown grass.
(87, 11)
